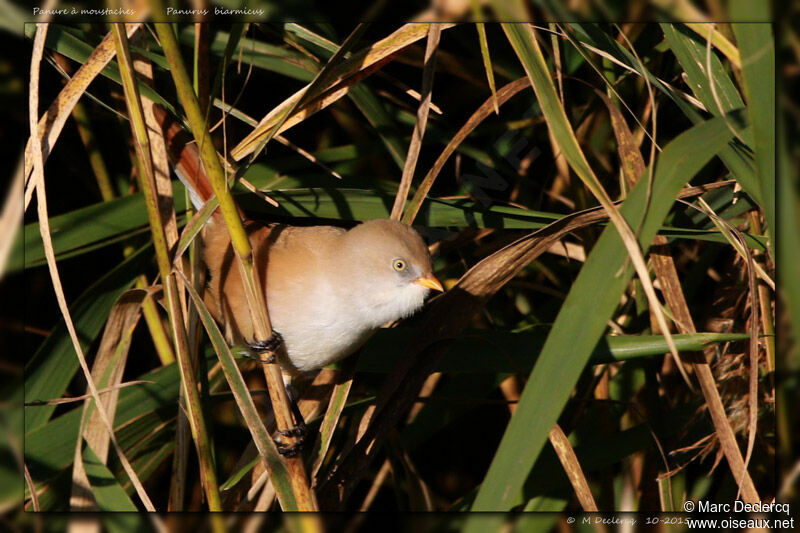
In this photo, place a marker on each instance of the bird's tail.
(185, 158)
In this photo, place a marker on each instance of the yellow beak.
(430, 282)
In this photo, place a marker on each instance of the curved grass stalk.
(344, 76)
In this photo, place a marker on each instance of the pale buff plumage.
(327, 289)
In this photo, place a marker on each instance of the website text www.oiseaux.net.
(780, 518)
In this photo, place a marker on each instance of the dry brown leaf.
(107, 370)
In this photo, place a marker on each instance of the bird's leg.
(270, 346)
(299, 431)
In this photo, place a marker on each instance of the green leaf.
(755, 42)
(479, 351)
(691, 53)
(289, 63)
(588, 306)
(108, 493)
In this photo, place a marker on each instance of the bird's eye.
(399, 265)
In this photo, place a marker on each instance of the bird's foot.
(268, 346)
(299, 432)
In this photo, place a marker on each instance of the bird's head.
(392, 266)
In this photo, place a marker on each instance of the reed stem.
(146, 181)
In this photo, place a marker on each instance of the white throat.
(381, 307)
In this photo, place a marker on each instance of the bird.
(327, 289)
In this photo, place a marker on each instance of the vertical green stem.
(161, 340)
(147, 185)
(764, 301)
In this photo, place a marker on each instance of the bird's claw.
(298, 432)
(270, 346)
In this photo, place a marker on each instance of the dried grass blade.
(568, 459)
(632, 161)
(263, 133)
(666, 273)
(31, 488)
(503, 95)
(349, 72)
(330, 46)
(673, 294)
(414, 147)
(107, 370)
(753, 381)
(737, 240)
(73, 399)
(665, 269)
(244, 117)
(510, 388)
